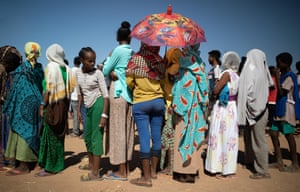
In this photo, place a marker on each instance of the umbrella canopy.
(168, 29)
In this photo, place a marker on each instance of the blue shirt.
(117, 62)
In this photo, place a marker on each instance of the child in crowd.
(287, 111)
(93, 91)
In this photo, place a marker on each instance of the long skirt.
(121, 130)
(192, 166)
(222, 147)
(51, 155)
(18, 149)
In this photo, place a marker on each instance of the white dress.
(222, 147)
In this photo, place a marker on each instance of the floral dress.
(222, 148)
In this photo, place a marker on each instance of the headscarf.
(54, 79)
(10, 58)
(172, 67)
(32, 52)
(190, 96)
(147, 63)
(254, 84)
(231, 60)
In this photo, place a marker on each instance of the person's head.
(149, 48)
(172, 58)
(76, 61)
(66, 61)
(298, 66)
(214, 57)
(10, 58)
(123, 33)
(231, 60)
(32, 51)
(272, 70)
(284, 61)
(55, 53)
(88, 59)
(242, 63)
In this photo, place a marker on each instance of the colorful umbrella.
(168, 29)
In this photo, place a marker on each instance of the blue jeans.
(149, 116)
(76, 124)
(83, 111)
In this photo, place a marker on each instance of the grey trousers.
(256, 147)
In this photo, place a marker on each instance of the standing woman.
(190, 98)
(22, 108)
(57, 85)
(144, 77)
(222, 148)
(121, 130)
(10, 59)
(93, 91)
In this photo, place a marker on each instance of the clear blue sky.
(237, 25)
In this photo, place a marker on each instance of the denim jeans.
(76, 124)
(149, 116)
(83, 116)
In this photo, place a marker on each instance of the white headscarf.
(54, 79)
(254, 84)
(231, 60)
(55, 53)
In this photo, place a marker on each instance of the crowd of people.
(173, 103)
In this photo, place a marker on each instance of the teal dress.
(22, 107)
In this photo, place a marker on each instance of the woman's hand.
(113, 76)
(41, 110)
(79, 117)
(103, 121)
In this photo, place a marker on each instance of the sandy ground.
(69, 179)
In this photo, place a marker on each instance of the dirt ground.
(69, 179)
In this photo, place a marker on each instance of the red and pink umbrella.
(168, 29)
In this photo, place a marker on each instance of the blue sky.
(237, 25)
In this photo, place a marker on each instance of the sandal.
(84, 167)
(260, 176)
(166, 172)
(15, 172)
(113, 176)
(141, 182)
(90, 177)
(43, 173)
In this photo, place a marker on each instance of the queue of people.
(166, 99)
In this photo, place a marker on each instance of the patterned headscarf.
(32, 52)
(147, 63)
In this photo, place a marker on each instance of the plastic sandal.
(89, 177)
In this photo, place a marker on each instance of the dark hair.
(272, 70)
(84, 50)
(66, 61)
(215, 54)
(123, 33)
(76, 61)
(285, 57)
(242, 63)
(298, 66)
